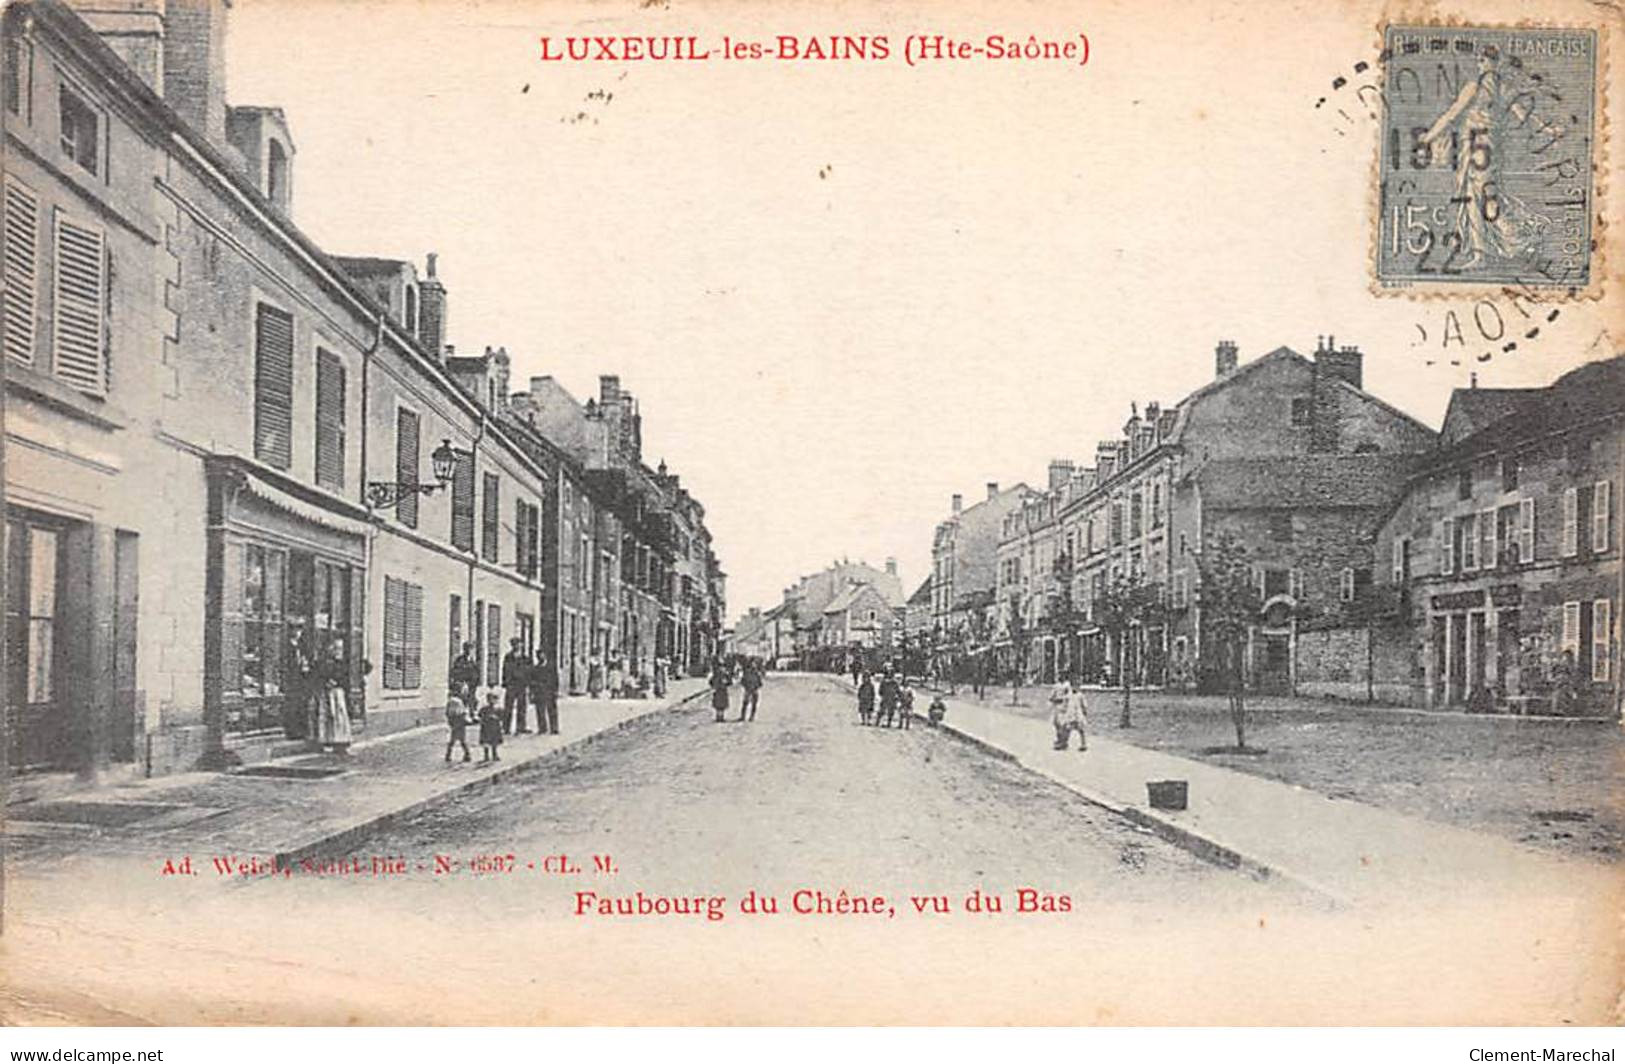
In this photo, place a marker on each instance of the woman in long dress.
(331, 708)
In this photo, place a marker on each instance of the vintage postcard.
(673, 512)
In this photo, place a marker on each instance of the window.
(1301, 408)
(260, 655)
(81, 303)
(1570, 640)
(1526, 530)
(1136, 522)
(1156, 506)
(1276, 582)
(1281, 527)
(276, 174)
(1117, 522)
(19, 74)
(406, 465)
(462, 502)
(329, 419)
(1600, 515)
(1509, 473)
(1181, 591)
(1184, 545)
(403, 635)
(21, 270)
(81, 130)
(1571, 522)
(1464, 484)
(491, 517)
(1467, 534)
(1402, 560)
(493, 642)
(1486, 539)
(1601, 631)
(273, 386)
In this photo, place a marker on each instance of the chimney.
(1342, 362)
(609, 389)
(992, 489)
(1224, 358)
(958, 502)
(261, 137)
(432, 310)
(1106, 459)
(1060, 471)
(891, 566)
(135, 30)
(194, 64)
(501, 373)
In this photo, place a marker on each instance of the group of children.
(490, 721)
(896, 702)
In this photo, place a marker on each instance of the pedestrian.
(857, 669)
(465, 675)
(1070, 714)
(905, 706)
(490, 728)
(936, 711)
(866, 698)
(544, 691)
(330, 726)
(888, 698)
(719, 689)
(515, 682)
(617, 678)
(457, 721)
(595, 675)
(750, 680)
(662, 670)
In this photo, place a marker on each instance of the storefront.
(286, 601)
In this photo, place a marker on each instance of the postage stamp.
(1488, 158)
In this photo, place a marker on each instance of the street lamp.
(382, 494)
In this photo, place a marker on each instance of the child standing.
(866, 699)
(905, 705)
(490, 728)
(457, 721)
(936, 711)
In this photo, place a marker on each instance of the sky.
(844, 291)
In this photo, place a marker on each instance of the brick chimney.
(1224, 358)
(958, 502)
(1060, 472)
(1343, 362)
(609, 390)
(194, 64)
(134, 29)
(432, 310)
(992, 489)
(1106, 459)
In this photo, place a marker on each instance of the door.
(1478, 641)
(1441, 660)
(37, 718)
(1506, 653)
(1457, 684)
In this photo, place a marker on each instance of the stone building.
(964, 567)
(1503, 553)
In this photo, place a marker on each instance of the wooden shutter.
(329, 419)
(1447, 546)
(394, 599)
(21, 271)
(462, 502)
(273, 386)
(492, 517)
(1571, 522)
(406, 465)
(1526, 531)
(493, 643)
(1571, 628)
(81, 300)
(1487, 544)
(412, 636)
(1600, 514)
(1601, 638)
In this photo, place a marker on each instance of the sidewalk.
(286, 818)
(1350, 852)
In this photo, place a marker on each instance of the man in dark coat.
(544, 691)
(465, 677)
(515, 682)
(750, 678)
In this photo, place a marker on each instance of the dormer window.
(411, 315)
(81, 130)
(276, 174)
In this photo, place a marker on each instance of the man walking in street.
(750, 678)
(465, 677)
(544, 691)
(515, 681)
(1069, 714)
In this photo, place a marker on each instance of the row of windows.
(1599, 613)
(80, 291)
(403, 636)
(1505, 535)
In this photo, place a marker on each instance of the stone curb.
(1202, 845)
(346, 835)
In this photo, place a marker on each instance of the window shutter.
(1571, 627)
(492, 517)
(1600, 515)
(462, 502)
(1399, 560)
(1526, 530)
(329, 419)
(412, 636)
(81, 299)
(21, 271)
(1601, 638)
(493, 643)
(1571, 522)
(1346, 586)
(393, 624)
(1469, 542)
(1447, 546)
(406, 465)
(273, 386)
(1486, 536)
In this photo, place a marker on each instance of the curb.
(285, 859)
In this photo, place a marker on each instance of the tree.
(1020, 637)
(1230, 605)
(1122, 610)
(974, 632)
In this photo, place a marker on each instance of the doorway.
(38, 725)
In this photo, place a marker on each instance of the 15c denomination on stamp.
(1488, 157)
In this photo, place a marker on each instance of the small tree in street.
(1230, 606)
(1065, 615)
(1020, 637)
(975, 635)
(1125, 605)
